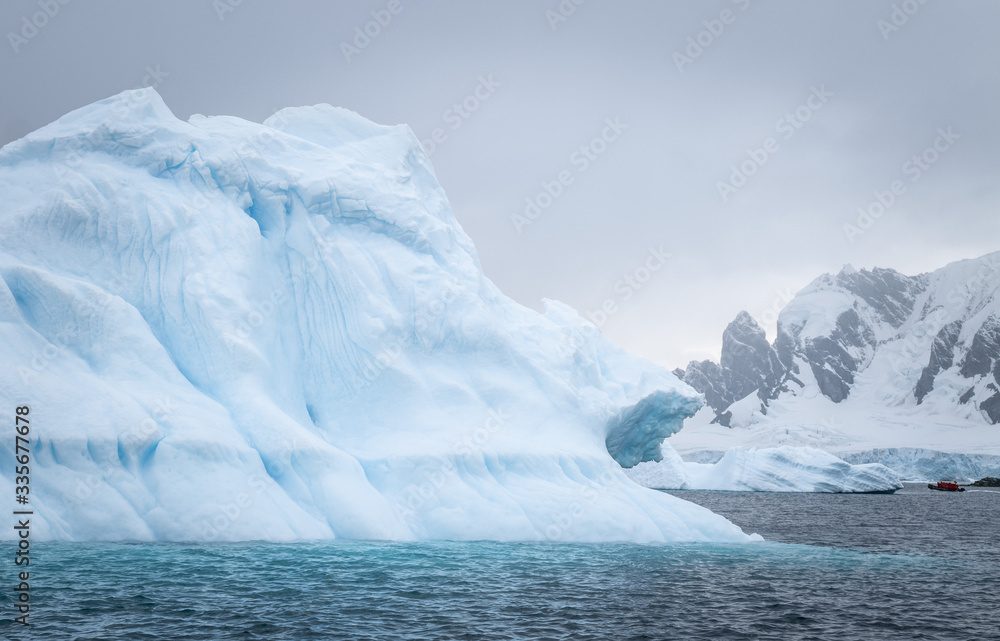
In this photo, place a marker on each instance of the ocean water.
(914, 565)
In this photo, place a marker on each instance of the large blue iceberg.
(231, 331)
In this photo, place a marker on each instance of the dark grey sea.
(913, 565)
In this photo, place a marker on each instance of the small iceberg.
(776, 469)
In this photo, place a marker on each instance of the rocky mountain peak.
(890, 294)
(839, 325)
(749, 364)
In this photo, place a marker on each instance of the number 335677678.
(22, 453)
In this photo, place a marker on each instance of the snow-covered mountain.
(901, 361)
(229, 330)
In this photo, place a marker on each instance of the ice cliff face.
(933, 337)
(231, 331)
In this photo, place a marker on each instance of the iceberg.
(227, 330)
(776, 469)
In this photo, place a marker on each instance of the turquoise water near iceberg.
(834, 588)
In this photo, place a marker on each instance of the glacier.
(776, 469)
(918, 464)
(231, 331)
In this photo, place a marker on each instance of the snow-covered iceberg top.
(777, 469)
(228, 331)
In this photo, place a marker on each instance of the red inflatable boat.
(946, 486)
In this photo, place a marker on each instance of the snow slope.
(875, 366)
(781, 469)
(230, 331)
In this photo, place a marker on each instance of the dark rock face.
(982, 359)
(851, 332)
(835, 359)
(989, 481)
(747, 354)
(828, 356)
(942, 358)
(724, 419)
(891, 294)
(832, 366)
(749, 364)
(721, 387)
(985, 350)
(784, 346)
(992, 405)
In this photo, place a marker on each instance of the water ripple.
(491, 591)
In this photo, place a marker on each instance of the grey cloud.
(655, 185)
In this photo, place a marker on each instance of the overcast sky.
(816, 105)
